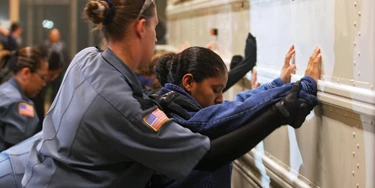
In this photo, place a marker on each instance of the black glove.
(175, 103)
(293, 110)
(251, 49)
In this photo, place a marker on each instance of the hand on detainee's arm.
(175, 103)
(293, 110)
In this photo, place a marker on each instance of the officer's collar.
(14, 82)
(121, 66)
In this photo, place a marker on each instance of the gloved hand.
(293, 110)
(176, 103)
(251, 49)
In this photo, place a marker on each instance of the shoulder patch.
(155, 119)
(25, 109)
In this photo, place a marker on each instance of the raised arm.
(244, 66)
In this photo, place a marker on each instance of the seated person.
(200, 75)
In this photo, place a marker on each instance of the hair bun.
(96, 11)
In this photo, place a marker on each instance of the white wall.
(335, 146)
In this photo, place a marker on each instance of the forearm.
(239, 72)
(235, 144)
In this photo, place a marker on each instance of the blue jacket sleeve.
(246, 94)
(220, 119)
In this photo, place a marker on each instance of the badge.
(155, 119)
(25, 109)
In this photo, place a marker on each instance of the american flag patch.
(26, 109)
(155, 119)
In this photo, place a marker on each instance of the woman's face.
(37, 80)
(150, 38)
(209, 91)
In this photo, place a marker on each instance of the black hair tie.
(111, 13)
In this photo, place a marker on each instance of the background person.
(55, 66)
(54, 43)
(13, 41)
(18, 117)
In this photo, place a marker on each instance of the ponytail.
(163, 68)
(4, 56)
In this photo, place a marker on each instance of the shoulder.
(89, 66)
(85, 58)
(87, 52)
(9, 94)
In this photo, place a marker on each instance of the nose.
(219, 99)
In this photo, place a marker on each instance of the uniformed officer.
(18, 118)
(102, 131)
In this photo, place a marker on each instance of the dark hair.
(201, 62)
(112, 17)
(55, 58)
(14, 27)
(4, 56)
(25, 57)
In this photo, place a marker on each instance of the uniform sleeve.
(145, 135)
(15, 124)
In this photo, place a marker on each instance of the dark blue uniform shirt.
(18, 118)
(102, 131)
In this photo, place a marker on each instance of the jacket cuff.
(309, 85)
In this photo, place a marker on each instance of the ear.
(187, 82)
(25, 74)
(140, 27)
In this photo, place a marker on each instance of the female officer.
(18, 118)
(200, 74)
(102, 131)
